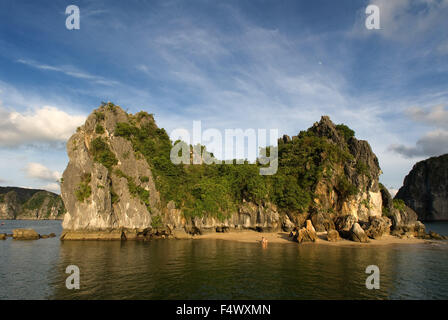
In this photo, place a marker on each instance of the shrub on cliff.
(346, 132)
(102, 154)
(83, 191)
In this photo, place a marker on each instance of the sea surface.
(216, 269)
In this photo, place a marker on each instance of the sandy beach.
(283, 237)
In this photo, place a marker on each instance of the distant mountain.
(425, 189)
(30, 204)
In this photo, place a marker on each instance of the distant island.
(425, 189)
(30, 204)
(120, 184)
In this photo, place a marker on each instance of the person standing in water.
(264, 242)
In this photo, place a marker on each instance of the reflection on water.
(26, 267)
(214, 269)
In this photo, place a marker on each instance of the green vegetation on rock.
(399, 204)
(99, 129)
(84, 190)
(217, 190)
(36, 201)
(346, 132)
(156, 222)
(134, 189)
(102, 154)
(24, 203)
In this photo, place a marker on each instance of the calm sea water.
(214, 269)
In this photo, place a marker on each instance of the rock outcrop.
(120, 184)
(307, 234)
(404, 221)
(377, 227)
(25, 234)
(30, 204)
(351, 186)
(425, 189)
(333, 236)
(357, 234)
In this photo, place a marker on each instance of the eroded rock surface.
(425, 189)
(112, 189)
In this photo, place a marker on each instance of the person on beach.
(264, 242)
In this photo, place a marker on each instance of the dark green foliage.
(36, 201)
(32, 199)
(144, 179)
(111, 107)
(210, 197)
(385, 212)
(289, 195)
(362, 168)
(102, 154)
(99, 116)
(125, 129)
(156, 222)
(217, 190)
(99, 129)
(399, 204)
(345, 187)
(84, 190)
(54, 201)
(346, 132)
(134, 189)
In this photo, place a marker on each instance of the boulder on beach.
(333, 236)
(377, 227)
(344, 224)
(357, 234)
(307, 234)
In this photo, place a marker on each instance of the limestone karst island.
(120, 184)
(224, 154)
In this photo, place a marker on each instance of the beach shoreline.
(283, 238)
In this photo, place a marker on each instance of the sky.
(230, 64)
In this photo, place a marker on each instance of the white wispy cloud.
(69, 71)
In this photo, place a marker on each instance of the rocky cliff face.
(425, 189)
(119, 183)
(103, 177)
(350, 185)
(21, 203)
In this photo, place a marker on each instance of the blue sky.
(230, 64)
